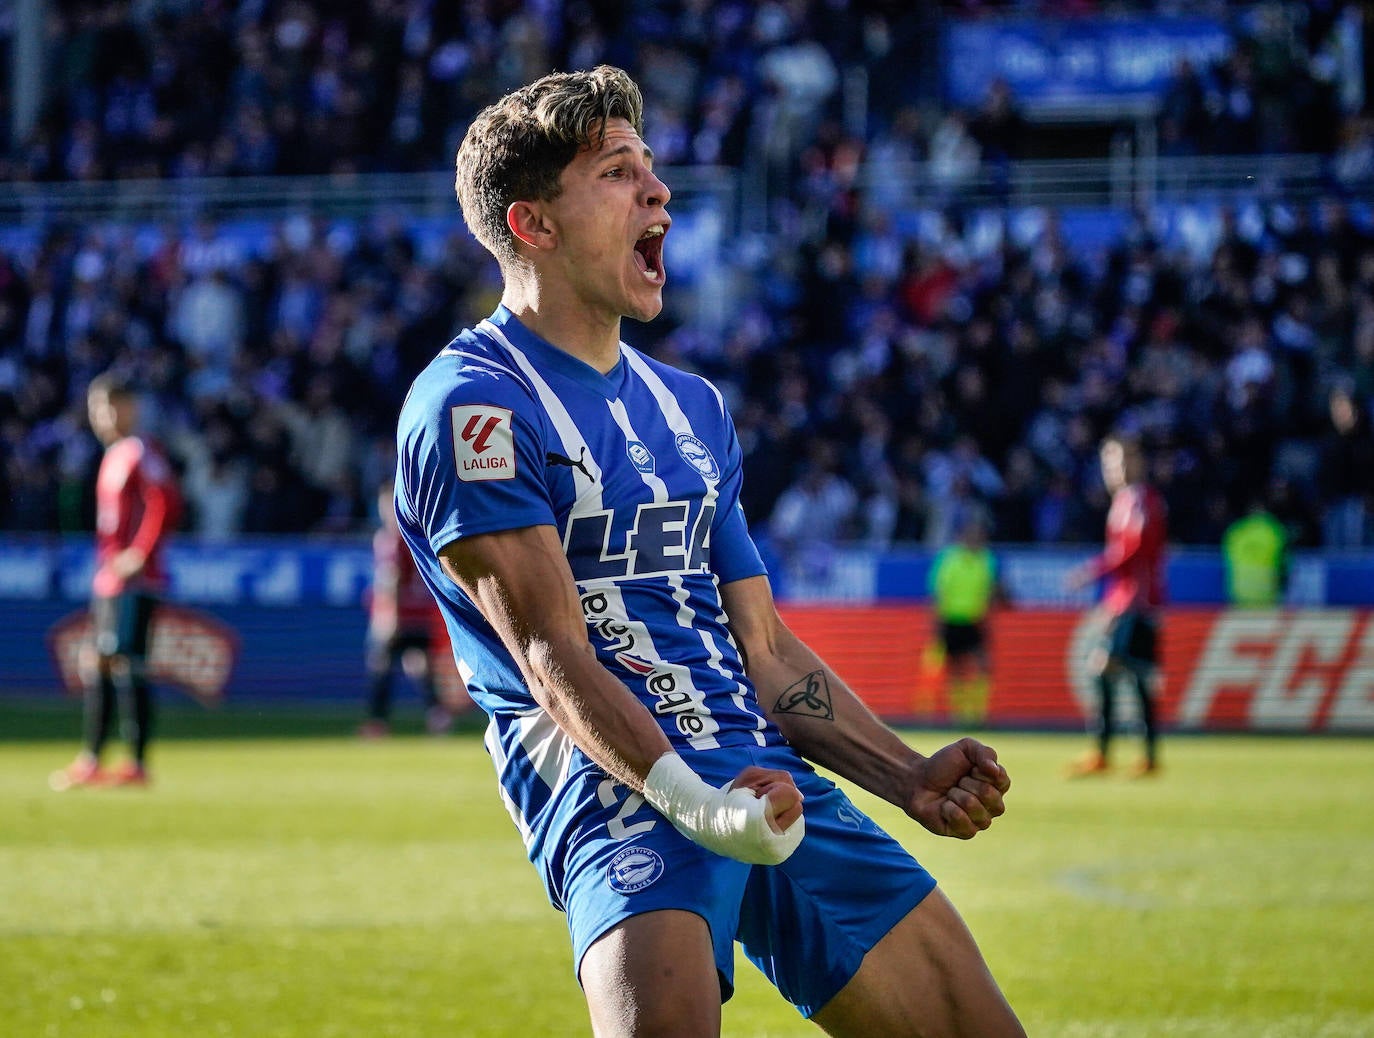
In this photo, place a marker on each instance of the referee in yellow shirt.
(963, 585)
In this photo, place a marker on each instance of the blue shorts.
(806, 923)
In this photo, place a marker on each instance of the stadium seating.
(907, 301)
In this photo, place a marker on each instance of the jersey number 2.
(617, 826)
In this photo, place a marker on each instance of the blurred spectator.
(1183, 113)
(321, 434)
(954, 153)
(1235, 108)
(1014, 510)
(891, 152)
(1059, 514)
(1294, 512)
(1000, 132)
(959, 482)
(216, 491)
(1347, 472)
(207, 317)
(814, 514)
(1354, 160)
(797, 73)
(276, 500)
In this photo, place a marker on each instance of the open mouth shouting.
(649, 253)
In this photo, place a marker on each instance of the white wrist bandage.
(732, 822)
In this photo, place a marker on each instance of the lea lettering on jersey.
(657, 543)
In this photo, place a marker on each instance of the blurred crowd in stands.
(954, 383)
(885, 385)
(164, 88)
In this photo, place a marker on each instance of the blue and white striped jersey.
(639, 472)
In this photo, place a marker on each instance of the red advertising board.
(1244, 670)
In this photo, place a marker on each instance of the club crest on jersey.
(633, 869)
(483, 442)
(640, 457)
(698, 455)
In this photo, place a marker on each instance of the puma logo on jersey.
(483, 442)
(554, 458)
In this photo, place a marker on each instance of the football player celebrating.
(574, 507)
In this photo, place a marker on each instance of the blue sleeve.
(471, 460)
(734, 555)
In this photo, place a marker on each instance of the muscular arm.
(955, 792)
(521, 582)
(826, 722)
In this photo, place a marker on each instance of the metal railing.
(226, 198)
(1119, 181)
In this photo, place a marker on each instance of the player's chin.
(645, 306)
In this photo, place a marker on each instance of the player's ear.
(527, 222)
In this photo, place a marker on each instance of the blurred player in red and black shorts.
(137, 506)
(1131, 567)
(399, 629)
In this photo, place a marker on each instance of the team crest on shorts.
(633, 869)
(698, 455)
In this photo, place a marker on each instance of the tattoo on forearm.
(809, 697)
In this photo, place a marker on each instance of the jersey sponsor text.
(658, 543)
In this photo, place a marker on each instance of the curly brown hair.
(517, 148)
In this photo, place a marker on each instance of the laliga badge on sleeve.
(483, 442)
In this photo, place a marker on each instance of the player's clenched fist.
(777, 789)
(957, 791)
(756, 819)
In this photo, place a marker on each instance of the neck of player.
(590, 335)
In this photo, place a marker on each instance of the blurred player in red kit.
(399, 628)
(1132, 569)
(137, 506)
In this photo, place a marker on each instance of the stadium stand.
(933, 345)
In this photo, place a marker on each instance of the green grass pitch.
(317, 886)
